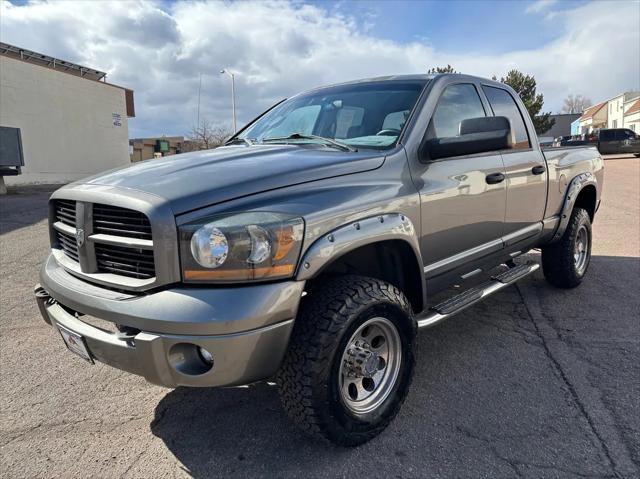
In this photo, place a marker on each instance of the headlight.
(241, 247)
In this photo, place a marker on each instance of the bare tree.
(575, 104)
(206, 136)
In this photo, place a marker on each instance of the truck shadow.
(487, 373)
(24, 206)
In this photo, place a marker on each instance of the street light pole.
(233, 96)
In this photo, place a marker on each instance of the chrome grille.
(68, 245)
(119, 240)
(65, 211)
(112, 220)
(132, 262)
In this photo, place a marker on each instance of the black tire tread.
(323, 315)
(557, 258)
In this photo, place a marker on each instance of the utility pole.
(199, 89)
(233, 95)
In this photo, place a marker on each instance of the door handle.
(494, 178)
(538, 170)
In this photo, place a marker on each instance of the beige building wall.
(66, 122)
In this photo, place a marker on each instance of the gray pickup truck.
(309, 248)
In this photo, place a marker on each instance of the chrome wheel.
(581, 250)
(370, 365)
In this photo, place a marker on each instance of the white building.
(632, 116)
(618, 106)
(72, 123)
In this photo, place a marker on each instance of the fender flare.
(346, 238)
(573, 191)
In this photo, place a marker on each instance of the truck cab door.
(629, 144)
(526, 171)
(462, 198)
(607, 143)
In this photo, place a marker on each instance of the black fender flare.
(573, 191)
(349, 237)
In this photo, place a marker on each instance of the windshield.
(366, 115)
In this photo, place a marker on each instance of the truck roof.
(412, 77)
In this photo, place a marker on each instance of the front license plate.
(75, 343)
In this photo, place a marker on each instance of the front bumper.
(246, 329)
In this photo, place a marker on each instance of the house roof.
(635, 108)
(591, 111)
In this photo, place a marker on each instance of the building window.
(615, 124)
(633, 126)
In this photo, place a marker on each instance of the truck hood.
(195, 180)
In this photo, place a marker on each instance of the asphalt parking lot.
(535, 382)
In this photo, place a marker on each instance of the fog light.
(205, 355)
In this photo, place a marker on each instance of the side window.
(458, 102)
(607, 135)
(627, 134)
(503, 104)
(349, 122)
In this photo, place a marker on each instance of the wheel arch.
(582, 192)
(587, 198)
(383, 247)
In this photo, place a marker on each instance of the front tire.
(350, 360)
(565, 263)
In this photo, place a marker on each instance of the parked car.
(562, 140)
(310, 246)
(618, 141)
(546, 141)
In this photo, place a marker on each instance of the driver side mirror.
(477, 135)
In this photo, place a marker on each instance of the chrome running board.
(467, 298)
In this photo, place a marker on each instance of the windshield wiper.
(322, 139)
(237, 139)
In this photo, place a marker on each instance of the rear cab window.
(607, 135)
(503, 104)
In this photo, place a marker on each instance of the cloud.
(279, 48)
(539, 5)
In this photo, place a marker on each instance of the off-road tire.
(558, 263)
(308, 377)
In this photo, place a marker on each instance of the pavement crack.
(494, 450)
(570, 387)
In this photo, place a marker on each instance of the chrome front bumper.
(246, 329)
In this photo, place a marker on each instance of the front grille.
(112, 220)
(68, 245)
(120, 224)
(65, 211)
(132, 262)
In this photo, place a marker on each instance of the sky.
(278, 48)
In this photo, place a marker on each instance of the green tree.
(447, 69)
(525, 86)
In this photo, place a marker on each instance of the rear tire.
(565, 262)
(350, 360)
